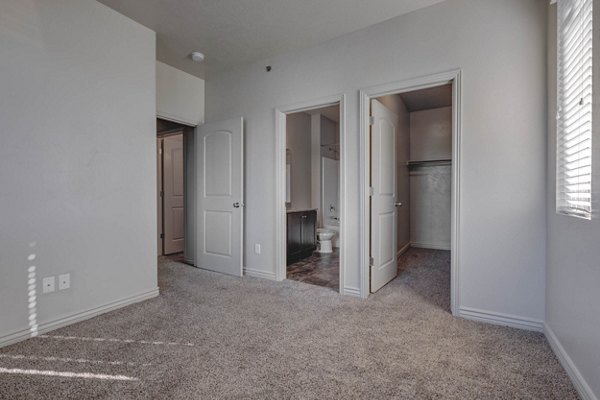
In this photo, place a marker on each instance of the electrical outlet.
(257, 248)
(64, 281)
(48, 284)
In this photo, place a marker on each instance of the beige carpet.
(211, 336)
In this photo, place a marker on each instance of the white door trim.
(280, 210)
(399, 87)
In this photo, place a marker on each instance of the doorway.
(410, 170)
(312, 196)
(171, 188)
(310, 226)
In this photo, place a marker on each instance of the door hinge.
(371, 120)
(162, 193)
(162, 235)
(371, 191)
(371, 261)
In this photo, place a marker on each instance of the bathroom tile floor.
(318, 269)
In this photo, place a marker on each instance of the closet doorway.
(411, 178)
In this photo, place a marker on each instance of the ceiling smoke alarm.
(197, 56)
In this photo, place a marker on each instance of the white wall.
(77, 161)
(298, 131)
(573, 271)
(502, 248)
(431, 134)
(430, 211)
(431, 186)
(179, 95)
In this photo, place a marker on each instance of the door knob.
(398, 204)
(237, 205)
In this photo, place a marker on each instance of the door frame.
(366, 95)
(280, 180)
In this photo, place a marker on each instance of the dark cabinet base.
(301, 235)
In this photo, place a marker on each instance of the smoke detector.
(197, 56)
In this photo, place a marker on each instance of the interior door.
(173, 194)
(384, 228)
(220, 200)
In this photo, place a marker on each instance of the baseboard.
(255, 273)
(350, 291)
(501, 319)
(24, 334)
(584, 390)
(404, 249)
(189, 261)
(431, 246)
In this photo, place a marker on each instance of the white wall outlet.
(257, 248)
(64, 281)
(48, 284)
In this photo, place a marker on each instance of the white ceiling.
(332, 112)
(425, 99)
(234, 32)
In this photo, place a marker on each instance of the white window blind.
(574, 119)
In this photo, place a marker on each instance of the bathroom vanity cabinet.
(301, 235)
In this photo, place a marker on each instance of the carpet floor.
(210, 336)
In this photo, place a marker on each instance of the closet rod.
(429, 163)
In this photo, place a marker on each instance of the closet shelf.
(428, 163)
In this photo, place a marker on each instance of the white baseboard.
(432, 246)
(404, 249)
(255, 273)
(490, 317)
(189, 261)
(584, 390)
(24, 334)
(350, 291)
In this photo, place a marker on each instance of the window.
(574, 119)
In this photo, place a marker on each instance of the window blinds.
(574, 119)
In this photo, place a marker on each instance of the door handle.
(398, 204)
(237, 204)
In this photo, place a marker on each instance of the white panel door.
(384, 220)
(173, 194)
(220, 207)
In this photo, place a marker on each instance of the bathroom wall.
(330, 180)
(329, 136)
(315, 165)
(395, 104)
(431, 186)
(323, 132)
(298, 130)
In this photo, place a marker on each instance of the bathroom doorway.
(311, 236)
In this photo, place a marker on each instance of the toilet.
(325, 236)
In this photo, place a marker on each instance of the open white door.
(384, 263)
(220, 201)
(173, 193)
